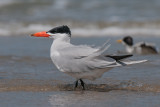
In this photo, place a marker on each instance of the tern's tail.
(119, 61)
(124, 63)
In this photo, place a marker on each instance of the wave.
(116, 31)
(6, 2)
(97, 18)
(80, 31)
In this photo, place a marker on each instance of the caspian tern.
(138, 48)
(80, 61)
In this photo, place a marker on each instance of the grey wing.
(150, 46)
(89, 57)
(147, 47)
(84, 57)
(77, 52)
(81, 51)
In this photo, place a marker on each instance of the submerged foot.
(82, 84)
(75, 84)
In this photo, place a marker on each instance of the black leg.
(75, 84)
(82, 84)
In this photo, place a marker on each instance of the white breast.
(129, 49)
(55, 54)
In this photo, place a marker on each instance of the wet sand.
(28, 78)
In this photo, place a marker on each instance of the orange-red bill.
(40, 34)
(119, 41)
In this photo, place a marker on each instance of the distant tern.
(81, 61)
(138, 48)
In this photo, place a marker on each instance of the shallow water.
(28, 77)
(79, 99)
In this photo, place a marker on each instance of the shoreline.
(32, 85)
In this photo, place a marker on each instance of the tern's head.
(126, 40)
(57, 32)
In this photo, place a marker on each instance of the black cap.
(128, 40)
(60, 29)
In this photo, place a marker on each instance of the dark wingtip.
(119, 57)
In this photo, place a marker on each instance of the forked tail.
(119, 58)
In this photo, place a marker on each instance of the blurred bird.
(138, 48)
(80, 61)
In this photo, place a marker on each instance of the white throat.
(59, 41)
(60, 37)
(129, 49)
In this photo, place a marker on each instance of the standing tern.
(80, 61)
(138, 48)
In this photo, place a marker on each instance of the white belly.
(91, 75)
